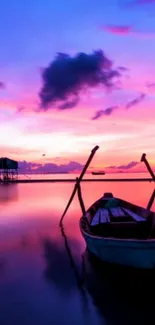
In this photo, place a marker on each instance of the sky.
(54, 108)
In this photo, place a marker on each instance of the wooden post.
(80, 198)
(79, 180)
(151, 200)
(143, 158)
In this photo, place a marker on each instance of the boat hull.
(131, 253)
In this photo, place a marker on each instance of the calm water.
(86, 176)
(38, 279)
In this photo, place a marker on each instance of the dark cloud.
(150, 85)
(107, 111)
(20, 109)
(28, 167)
(135, 101)
(66, 77)
(128, 166)
(123, 68)
(69, 104)
(2, 85)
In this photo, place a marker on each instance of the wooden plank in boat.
(117, 212)
(101, 216)
(96, 219)
(134, 216)
(104, 216)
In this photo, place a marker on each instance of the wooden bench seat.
(134, 216)
(100, 217)
(117, 212)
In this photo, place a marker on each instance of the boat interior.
(112, 217)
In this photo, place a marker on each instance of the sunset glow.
(68, 134)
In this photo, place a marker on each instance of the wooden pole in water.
(79, 180)
(80, 198)
(143, 158)
(151, 200)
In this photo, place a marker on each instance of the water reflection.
(121, 296)
(58, 269)
(3, 266)
(39, 278)
(8, 192)
(62, 269)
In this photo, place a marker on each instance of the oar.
(79, 180)
(143, 158)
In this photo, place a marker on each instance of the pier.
(8, 170)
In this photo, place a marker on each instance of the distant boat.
(120, 232)
(98, 173)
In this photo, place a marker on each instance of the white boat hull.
(132, 253)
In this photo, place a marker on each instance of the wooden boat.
(115, 230)
(120, 232)
(98, 173)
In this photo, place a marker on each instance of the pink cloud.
(150, 85)
(114, 29)
(127, 30)
(125, 167)
(108, 111)
(131, 167)
(30, 167)
(136, 101)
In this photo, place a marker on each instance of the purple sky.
(31, 35)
